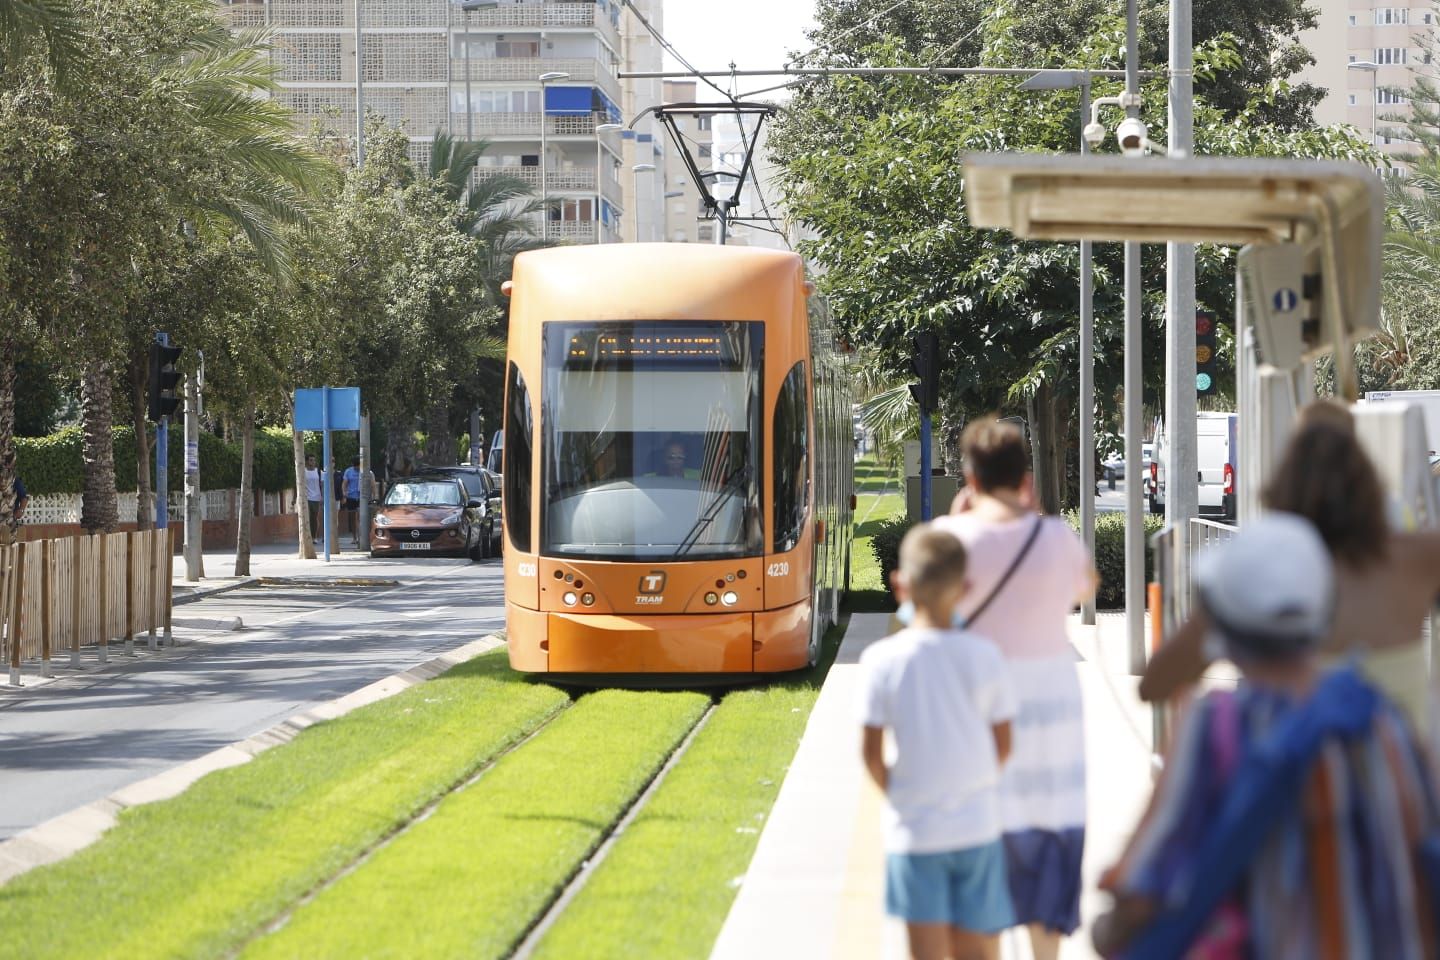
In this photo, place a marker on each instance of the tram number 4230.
(781, 569)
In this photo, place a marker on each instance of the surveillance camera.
(1094, 133)
(1133, 137)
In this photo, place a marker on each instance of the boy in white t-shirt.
(946, 699)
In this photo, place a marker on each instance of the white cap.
(1269, 591)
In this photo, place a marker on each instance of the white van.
(1217, 449)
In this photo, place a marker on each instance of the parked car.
(483, 485)
(428, 513)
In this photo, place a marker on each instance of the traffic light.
(1205, 373)
(926, 365)
(163, 380)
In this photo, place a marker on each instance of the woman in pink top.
(1026, 574)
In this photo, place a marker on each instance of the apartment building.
(1367, 53)
(683, 206)
(536, 79)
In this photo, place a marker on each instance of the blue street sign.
(1285, 300)
(343, 404)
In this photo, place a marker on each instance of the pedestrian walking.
(315, 496)
(351, 480)
(11, 531)
(1298, 815)
(945, 697)
(1386, 581)
(1027, 572)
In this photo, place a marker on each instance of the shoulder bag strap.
(1014, 565)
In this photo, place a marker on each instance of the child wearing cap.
(944, 696)
(1298, 816)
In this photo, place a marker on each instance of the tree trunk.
(99, 511)
(7, 428)
(1047, 445)
(247, 493)
(137, 372)
(439, 442)
(306, 550)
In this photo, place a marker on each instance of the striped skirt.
(1042, 793)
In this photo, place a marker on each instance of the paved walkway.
(277, 560)
(815, 887)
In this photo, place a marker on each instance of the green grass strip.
(876, 504)
(471, 879)
(667, 884)
(196, 875)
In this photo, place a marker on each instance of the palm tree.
(40, 26)
(248, 172)
(496, 210)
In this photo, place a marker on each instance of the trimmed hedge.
(1109, 552)
(53, 464)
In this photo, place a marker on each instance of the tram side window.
(791, 442)
(519, 446)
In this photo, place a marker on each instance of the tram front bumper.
(605, 643)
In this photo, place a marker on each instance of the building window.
(706, 233)
(703, 123)
(1389, 16)
(1354, 20)
(1352, 99)
(1352, 58)
(1389, 55)
(1427, 18)
(704, 149)
(1389, 96)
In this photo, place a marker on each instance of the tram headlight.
(711, 598)
(569, 598)
(730, 598)
(587, 599)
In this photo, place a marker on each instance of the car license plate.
(414, 546)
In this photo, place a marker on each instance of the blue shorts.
(960, 888)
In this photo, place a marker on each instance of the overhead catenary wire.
(670, 48)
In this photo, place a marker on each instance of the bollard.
(169, 588)
(1110, 479)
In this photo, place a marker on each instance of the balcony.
(528, 125)
(528, 69)
(559, 181)
(540, 15)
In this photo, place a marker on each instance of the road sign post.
(326, 409)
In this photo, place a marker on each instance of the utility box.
(942, 492)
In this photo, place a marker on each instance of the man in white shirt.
(314, 494)
(946, 699)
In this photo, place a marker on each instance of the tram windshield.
(652, 440)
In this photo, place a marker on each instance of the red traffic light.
(1204, 324)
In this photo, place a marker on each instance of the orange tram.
(678, 456)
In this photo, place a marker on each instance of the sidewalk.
(815, 886)
(275, 560)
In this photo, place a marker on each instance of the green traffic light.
(1202, 381)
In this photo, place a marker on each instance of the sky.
(754, 33)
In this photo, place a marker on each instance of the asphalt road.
(76, 740)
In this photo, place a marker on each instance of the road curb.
(200, 593)
(59, 837)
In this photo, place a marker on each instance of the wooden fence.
(64, 594)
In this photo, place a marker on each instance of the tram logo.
(653, 583)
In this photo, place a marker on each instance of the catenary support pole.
(1182, 493)
(193, 517)
(1087, 377)
(162, 459)
(367, 489)
(1134, 391)
(927, 511)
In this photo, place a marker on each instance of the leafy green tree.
(872, 167)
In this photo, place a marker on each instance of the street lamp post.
(601, 129)
(638, 169)
(1069, 80)
(545, 78)
(467, 6)
(1372, 68)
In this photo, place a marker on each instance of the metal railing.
(548, 15)
(527, 124)
(530, 68)
(1171, 601)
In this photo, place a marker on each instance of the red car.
(428, 515)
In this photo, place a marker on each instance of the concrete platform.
(815, 886)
